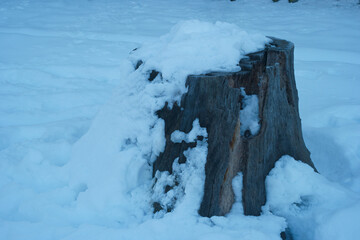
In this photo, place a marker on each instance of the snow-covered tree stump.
(252, 119)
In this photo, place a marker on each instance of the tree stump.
(216, 99)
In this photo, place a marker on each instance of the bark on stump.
(215, 99)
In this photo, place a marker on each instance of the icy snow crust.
(74, 166)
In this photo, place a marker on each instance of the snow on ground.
(62, 61)
(314, 207)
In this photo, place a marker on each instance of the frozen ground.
(62, 75)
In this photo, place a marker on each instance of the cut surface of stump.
(216, 99)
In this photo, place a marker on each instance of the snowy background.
(72, 154)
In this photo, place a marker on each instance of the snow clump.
(195, 47)
(186, 183)
(249, 114)
(314, 207)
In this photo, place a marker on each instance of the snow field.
(74, 157)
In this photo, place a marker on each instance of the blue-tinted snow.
(60, 63)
